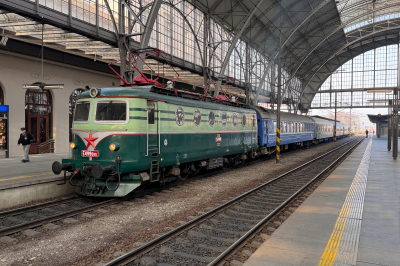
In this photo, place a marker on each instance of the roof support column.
(233, 45)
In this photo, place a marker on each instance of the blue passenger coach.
(295, 129)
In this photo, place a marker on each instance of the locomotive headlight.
(93, 92)
(72, 145)
(114, 147)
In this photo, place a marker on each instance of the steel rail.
(35, 207)
(57, 217)
(133, 254)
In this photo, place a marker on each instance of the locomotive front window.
(111, 111)
(82, 111)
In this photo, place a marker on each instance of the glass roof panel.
(355, 14)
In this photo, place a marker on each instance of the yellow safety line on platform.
(13, 178)
(348, 213)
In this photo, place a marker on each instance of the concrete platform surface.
(14, 173)
(352, 218)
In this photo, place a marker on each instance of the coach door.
(153, 129)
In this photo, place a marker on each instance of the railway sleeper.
(204, 226)
(196, 234)
(217, 222)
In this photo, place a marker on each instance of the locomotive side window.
(197, 117)
(111, 111)
(150, 113)
(224, 119)
(211, 118)
(179, 116)
(235, 119)
(82, 111)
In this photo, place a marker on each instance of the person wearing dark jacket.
(25, 139)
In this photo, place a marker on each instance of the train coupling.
(57, 167)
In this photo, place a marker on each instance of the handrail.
(50, 142)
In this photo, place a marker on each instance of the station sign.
(4, 109)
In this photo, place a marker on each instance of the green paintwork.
(185, 143)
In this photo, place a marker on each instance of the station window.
(1, 96)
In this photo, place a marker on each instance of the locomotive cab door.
(153, 129)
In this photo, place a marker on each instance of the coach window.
(265, 126)
(282, 127)
(243, 120)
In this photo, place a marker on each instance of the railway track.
(212, 238)
(18, 220)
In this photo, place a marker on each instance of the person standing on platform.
(25, 139)
(366, 133)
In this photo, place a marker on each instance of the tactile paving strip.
(342, 246)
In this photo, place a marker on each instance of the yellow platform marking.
(350, 214)
(13, 178)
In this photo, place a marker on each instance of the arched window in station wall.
(1, 96)
(38, 116)
(72, 101)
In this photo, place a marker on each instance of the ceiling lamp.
(42, 85)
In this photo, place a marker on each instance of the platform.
(352, 218)
(24, 182)
(13, 172)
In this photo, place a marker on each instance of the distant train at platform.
(145, 134)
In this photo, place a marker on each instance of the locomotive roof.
(269, 114)
(143, 92)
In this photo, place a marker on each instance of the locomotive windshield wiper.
(106, 106)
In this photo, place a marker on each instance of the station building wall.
(16, 70)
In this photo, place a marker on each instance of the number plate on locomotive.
(90, 154)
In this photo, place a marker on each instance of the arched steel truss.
(222, 38)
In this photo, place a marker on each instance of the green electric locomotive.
(125, 137)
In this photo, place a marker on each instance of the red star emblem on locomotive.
(90, 141)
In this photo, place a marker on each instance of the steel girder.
(64, 21)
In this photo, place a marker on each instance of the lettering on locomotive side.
(90, 153)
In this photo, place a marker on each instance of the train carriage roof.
(269, 114)
(321, 121)
(143, 92)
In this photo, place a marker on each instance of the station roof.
(375, 118)
(317, 36)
